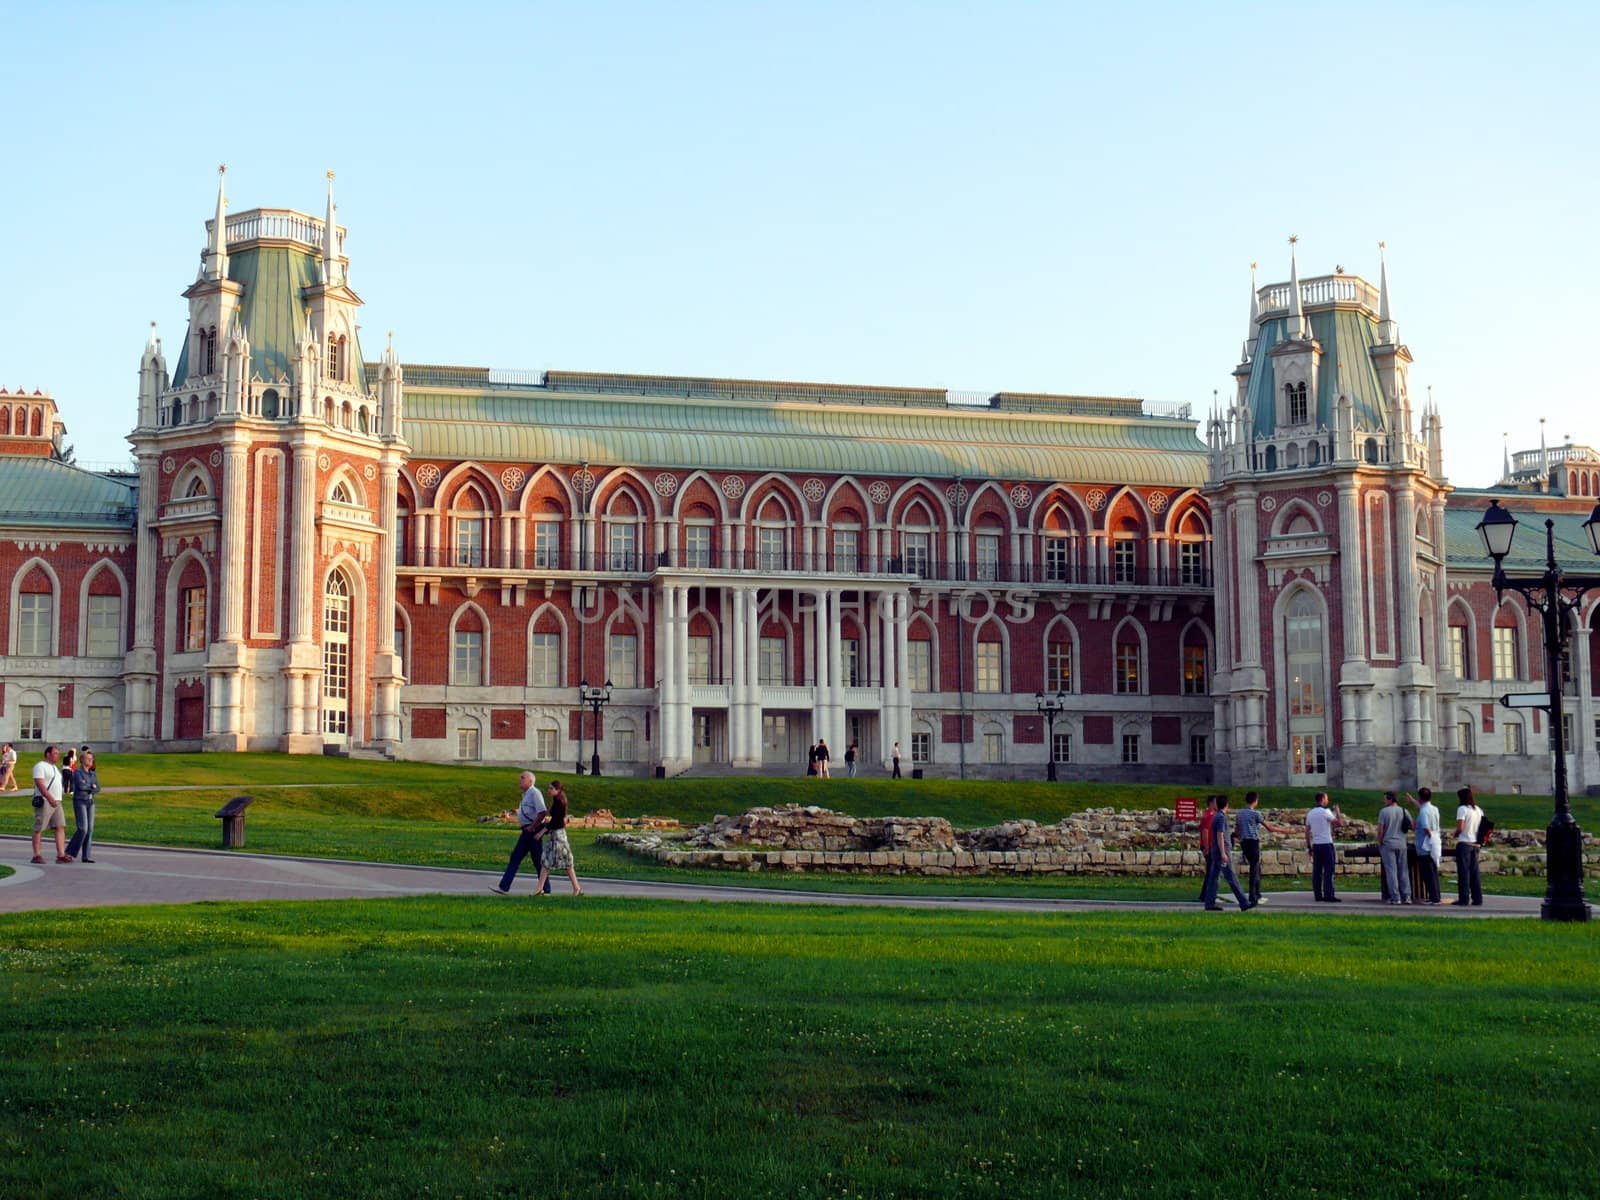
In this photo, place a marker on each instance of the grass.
(471, 1048)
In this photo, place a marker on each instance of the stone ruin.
(1099, 841)
(597, 818)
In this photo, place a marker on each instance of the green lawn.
(457, 1047)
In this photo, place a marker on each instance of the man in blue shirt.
(531, 816)
(1219, 862)
(1249, 824)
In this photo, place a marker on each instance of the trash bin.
(916, 772)
(232, 816)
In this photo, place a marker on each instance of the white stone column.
(1406, 543)
(667, 677)
(752, 668)
(234, 544)
(836, 670)
(300, 685)
(1582, 765)
(681, 686)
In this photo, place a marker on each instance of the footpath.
(149, 875)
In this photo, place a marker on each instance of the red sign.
(1186, 808)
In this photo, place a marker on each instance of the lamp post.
(596, 698)
(1050, 707)
(1555, 596)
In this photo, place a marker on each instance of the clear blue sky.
(1021, 196)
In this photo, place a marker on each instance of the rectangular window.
(1308, 754)
(624, 547)
(624, 744)
(34, 610)
(772, 549)
(1464, 733)
(468, 658)
(919, 665)
(1569, 738)
(105, 627)
(31, 722)
(699, 659)
(467, 742)
(401, 545)
(1596, 735)
(914, 549)
(986, 670)
(770, 662)
(1061, 747)
(1194, 671)
(1505, 652)
(1125, 561)
(1305, 689)
(469, 541)
(1058, 667)
(1126, 674)
(546, 656)
(1513, 738)
(1057, 559)
(547, 746)
(846, 551)
(194, 618)
(921, 747)
(697, 547)
(1130, 747)
(1458, 651)
(988, 556)
(1192, 563)
(994, 748)
(850, 661)
(1199, 749)
(100, 723)
(623, 660)
(546, 545)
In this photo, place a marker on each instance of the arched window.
(1297, 406)
(1059, 551)
(1128, 660)
(1272, 458)
(1507, 644)
(208, 351)
(988, 661)
(336, 655)
(342, 493)
(1060, 665)
(176, 415)
(1125, 552)
(1369, 450)
(471, 515)
(469, 648)
(772, 536)
(624, 523)
(36, 608)
(1196, 662)
(1306, 685)
(269, 404)
(338, 366)
(197, 488)
(363, 421)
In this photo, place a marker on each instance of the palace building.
(317, 552)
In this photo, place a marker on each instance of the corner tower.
(268, 470)
(1329, 515)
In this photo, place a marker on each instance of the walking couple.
(544, 836)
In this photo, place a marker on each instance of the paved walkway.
(150, 875)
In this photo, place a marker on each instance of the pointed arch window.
(197, 488)
(208, 351)
(336, 655)
(342, 493)
(338, 358)
(1306, 682)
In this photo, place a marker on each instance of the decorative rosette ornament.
(427, 475)
(583, 481)
(1096, 499)
(813, 490)
(1158, 502)
(666, 484)
(1021, 496)
(878, 492)
(511, 478)
(733, 487)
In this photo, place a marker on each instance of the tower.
(1328, 511)
(268, 469)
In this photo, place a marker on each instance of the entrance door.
(702, 738)
(191, 717)
(336, 659)
(1306, 686)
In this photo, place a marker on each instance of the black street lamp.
(1548, 595)
(596, 698)
(1050, 707)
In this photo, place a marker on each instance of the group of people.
(817, 759)
(1426, 848)
(55, 780)
(543, 836)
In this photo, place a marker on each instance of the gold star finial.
(222, 169)
(1252, 265)
(1381, 245)
(330, 176)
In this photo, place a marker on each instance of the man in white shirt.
(531, 815)
(1320, 824)
(1430, 846)
(1469, 887)
(47, 812)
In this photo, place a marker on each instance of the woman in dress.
(557, 852)
(8, 768)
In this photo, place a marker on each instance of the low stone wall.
(1095, 842)
(599, 818)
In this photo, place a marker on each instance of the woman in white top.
(1469, 887)
(8, 769)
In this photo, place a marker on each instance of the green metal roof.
(1347, 337)
(41, 491)
(273, 311)
(1464, 546)
(539, 425)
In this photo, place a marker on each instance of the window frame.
(467, 657)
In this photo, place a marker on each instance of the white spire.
(330, 244)
(1255, 317)
(216, 263)
(1297, 320)
(1388, 331)
(153, 346)
(1505, 457)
